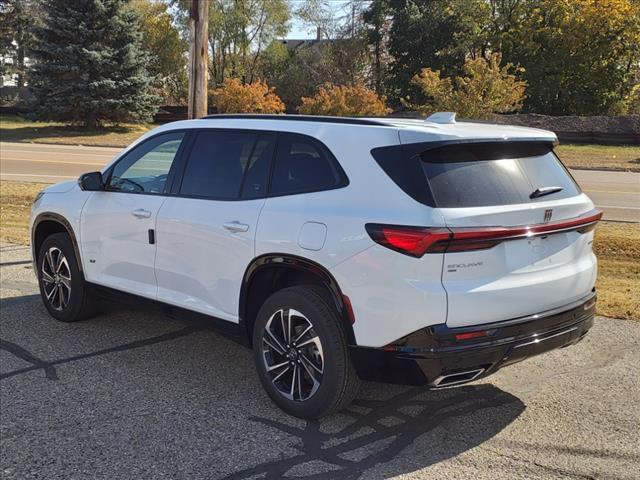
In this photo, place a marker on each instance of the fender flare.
(54, 217)
(299, 263)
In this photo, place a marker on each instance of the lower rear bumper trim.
(430, 356)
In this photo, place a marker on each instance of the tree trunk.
(198, 58)
(20, 67)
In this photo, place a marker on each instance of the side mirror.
(91, 182)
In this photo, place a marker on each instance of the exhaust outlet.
(458, 377)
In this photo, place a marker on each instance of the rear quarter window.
(303, 165)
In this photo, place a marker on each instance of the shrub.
(344, 100)
(487, 88)
(235, 97)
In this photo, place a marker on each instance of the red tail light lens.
(413, 241)
(416, 241)
(471, 335)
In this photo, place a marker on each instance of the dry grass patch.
(617, 246)
(18, 129)
(15, 207)
(605, 157)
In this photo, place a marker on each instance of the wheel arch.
(271, 272)
(47, 224)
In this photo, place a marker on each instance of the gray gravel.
(135, 394)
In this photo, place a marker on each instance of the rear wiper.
(541, 192)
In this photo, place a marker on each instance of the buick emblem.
(547, 215)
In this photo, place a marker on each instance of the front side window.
(220, 160)
(145, 168)
(302, 166)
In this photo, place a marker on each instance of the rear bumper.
(435, 357)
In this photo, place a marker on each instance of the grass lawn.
(607, 157)
(617, 246)
(15, 206)
(18, 129)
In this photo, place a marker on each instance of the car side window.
(145, 168)
(219, 161)
(256, 177)
(302, 165)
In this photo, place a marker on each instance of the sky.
(299, 30)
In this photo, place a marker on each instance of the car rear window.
(478, 175)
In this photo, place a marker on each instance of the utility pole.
(198, 57)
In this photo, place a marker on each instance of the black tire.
(338, 383)
(80, 303)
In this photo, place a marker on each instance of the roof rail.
(294, 117)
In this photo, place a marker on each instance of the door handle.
(141, 213)
(236, 227)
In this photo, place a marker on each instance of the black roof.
(305, 118)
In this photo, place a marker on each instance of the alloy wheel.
(292, 354)
(56, 278)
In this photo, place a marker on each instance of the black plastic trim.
(298, 118)
(426, 356)
(292, 261)
(50, 216)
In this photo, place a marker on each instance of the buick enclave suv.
(428, 252)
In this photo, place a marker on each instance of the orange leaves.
(235, 97)
(344, 100)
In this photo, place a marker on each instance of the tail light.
(413, 241)
(416, 241)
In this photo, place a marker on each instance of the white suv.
(423, 252)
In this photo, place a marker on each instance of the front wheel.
(64, 292)
(300, 351)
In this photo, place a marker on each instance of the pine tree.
(17, 20)
(88, 64)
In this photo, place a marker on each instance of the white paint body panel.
(519, 277)
(115, 244)
(200, 264)
(312, 236)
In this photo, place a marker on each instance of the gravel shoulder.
(136, 393)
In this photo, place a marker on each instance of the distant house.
(294, 44)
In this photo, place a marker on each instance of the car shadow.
(388, 430)
(376, 432)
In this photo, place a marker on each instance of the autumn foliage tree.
(484, 89)
(344, 100)
(237, 97)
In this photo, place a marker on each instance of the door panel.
(115, 241)
(115, 223)
(204, 247)
(205, 234)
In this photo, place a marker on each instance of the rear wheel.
(64, 292)
(301, 353)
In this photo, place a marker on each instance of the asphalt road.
(617, 193)
(137, 394)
